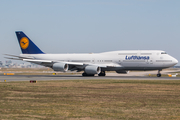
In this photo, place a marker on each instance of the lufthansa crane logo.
(24, 43)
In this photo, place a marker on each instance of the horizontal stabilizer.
(13, 58)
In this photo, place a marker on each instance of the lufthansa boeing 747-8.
(95, 63)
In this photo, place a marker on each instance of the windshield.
(163, 53)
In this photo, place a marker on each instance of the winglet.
(26, 45)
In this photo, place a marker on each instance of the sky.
(91, 26)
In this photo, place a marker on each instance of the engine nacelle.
(92, 70)
(60, 67)
(122, 72)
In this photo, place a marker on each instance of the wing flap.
(38, 61)
(74, 63)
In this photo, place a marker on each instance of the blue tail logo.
(27, 46)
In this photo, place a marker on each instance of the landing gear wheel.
(102, 73)
(85, 74)
(158, 75)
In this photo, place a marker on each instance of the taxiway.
(77, 77)
(138, 75)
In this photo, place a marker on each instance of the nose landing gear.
(159, 74)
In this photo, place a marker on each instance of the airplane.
(95, 63)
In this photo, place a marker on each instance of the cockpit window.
(163, 53)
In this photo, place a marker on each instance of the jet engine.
(60, 67)
(122, 72)
(92, 70)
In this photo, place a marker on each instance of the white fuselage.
(115, 60)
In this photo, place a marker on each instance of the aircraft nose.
(175, 61)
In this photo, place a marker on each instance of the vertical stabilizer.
(26, 45)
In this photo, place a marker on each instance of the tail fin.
(27, 46)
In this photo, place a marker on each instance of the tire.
(85, 74)
(102, 73)
(158, 75)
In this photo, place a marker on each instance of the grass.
(90, 99)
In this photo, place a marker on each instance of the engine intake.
(92, 70)
(60, 67)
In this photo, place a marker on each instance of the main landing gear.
(102, 73)
(159, 74)
(85, 74)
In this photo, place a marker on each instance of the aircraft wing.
(49, 63)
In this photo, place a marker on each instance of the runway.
(138, 75)
(77, 77)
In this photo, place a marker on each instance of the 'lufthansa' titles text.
(137, 57)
